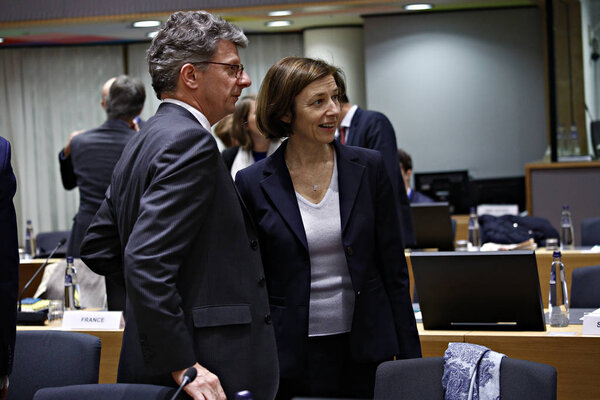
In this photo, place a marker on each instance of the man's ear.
(189, 76)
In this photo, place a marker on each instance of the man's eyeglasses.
(236, 69)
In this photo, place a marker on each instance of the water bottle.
(574, 149)
(558, 301)
(243, 395)
(29, 241)
(474, 232)
(71, 286)
(567, 237)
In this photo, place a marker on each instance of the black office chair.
(421, 378)
(590, 231)
(52, 358)
(45, 242)
(585, 282)
(113, 391)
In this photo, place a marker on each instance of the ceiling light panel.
(280, 13)
(277, 24)
(418, 7)
(146, 24)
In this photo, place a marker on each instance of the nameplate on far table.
(110, 320)
(591, 323)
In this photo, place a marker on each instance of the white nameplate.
(93, 320)
(591, 323)
(498, 210)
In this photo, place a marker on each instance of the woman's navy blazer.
(383, 324)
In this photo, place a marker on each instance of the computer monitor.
(506, 190)
(446, 186)
(479, 290)
(433, 226)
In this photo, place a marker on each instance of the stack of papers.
(30, 304)
(526, 245)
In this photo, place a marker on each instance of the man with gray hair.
(173, 224)
(88, 159)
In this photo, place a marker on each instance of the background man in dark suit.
(9, 266)
(406, 167)
(66, 166)
(373, 130)
(173, 224)
(88, 160)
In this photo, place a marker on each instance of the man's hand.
(67, 149)
(3, 387)
(206, 386)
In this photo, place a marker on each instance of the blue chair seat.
(53, 358)
(585, 282)
(590, 231)
(45, 242)
(113, 391)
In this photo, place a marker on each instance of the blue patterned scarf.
(471, 372)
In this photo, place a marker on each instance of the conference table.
(575, 356)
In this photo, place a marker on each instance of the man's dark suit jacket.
(373, 130)
(9, 264)
(173, 223)
(383, 323)
(94, 154)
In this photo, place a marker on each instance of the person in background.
(88, 159)
(64, 156)
(9, 267)
(194, 299)
(414, 196)
(136, 123)
(328, 229)
(373, 130)
(253, 145)
(223, 131)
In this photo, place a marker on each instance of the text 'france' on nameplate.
(110, 320)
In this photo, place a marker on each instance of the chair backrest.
(527, 380)
(415, 378)
(421, 378)
(113, 391)
(52, 358)
(45, 242)
(585, 282)
(590, 231)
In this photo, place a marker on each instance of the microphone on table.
(190, 375)
(35, 317)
